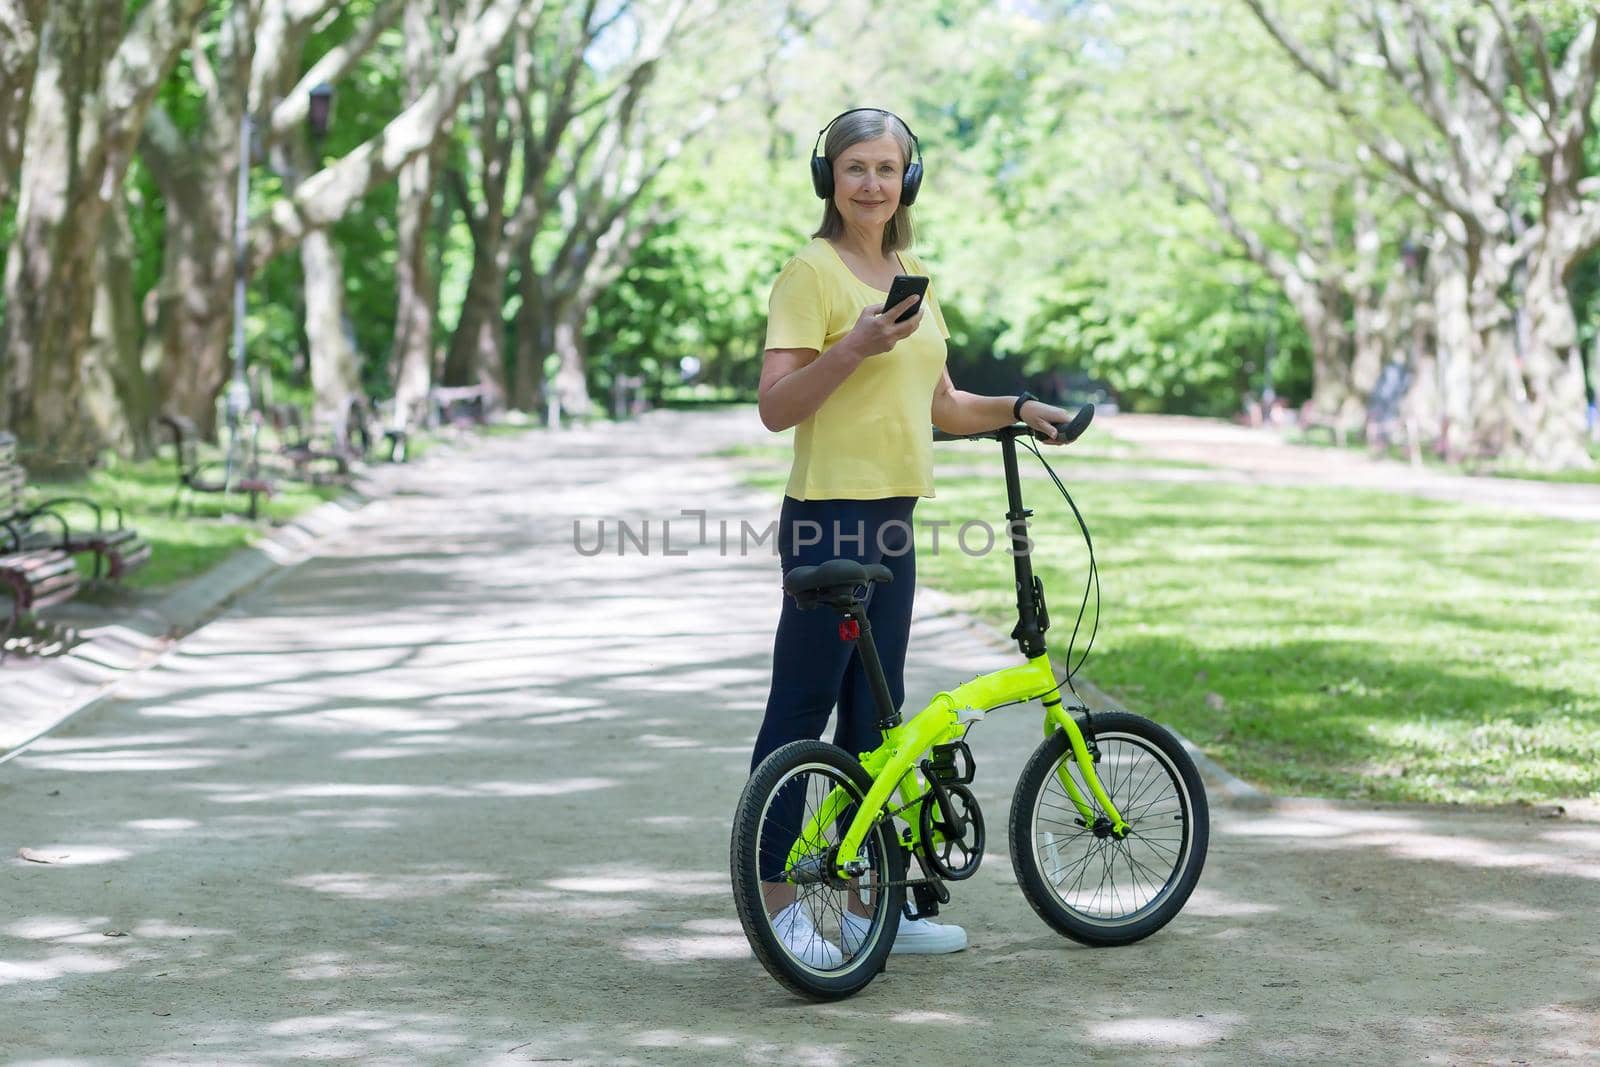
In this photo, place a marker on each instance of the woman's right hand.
(876, 332)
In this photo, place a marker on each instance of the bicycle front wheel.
(1080, 877)
(820, 937)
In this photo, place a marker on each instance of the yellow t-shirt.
(872, 437)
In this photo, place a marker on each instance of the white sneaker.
(916, 937)
(796, 932)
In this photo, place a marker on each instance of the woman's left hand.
(1045, 418)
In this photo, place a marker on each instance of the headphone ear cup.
(910, 184)
(821, 176)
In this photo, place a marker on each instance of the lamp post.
(238, 395)
(317, 113)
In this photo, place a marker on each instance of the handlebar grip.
(1069, 432)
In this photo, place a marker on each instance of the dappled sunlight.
(538, 903)
(567, 718)
(76, 743)
(1154, 1032)
(363, 1033)
(338, 966)
(800, 1053)
(101, 931)
(48, 927)
(428, 746)
(1213, 904)
(224, 793)
(622, 879)
(934, 1018)
(131, 760)
(1507, 912)
(1317, 825)
(161, 825)
(357, 717)
(63, 855)
(683, 948)
(1587, 837)
(238, 703)
(667, 741)
(362, 886)
(1571, 1030)
(1476, 852)
(56, 965)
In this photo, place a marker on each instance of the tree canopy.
(1190, 202)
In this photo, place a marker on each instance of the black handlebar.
(1066, 432)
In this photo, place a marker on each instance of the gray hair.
(853, 129)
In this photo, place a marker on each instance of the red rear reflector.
(849, 630)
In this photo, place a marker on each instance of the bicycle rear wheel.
(834, 954)
(1079, 877)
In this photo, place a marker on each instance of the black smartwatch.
(1016, 409)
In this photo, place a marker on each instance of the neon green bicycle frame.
(893, 764)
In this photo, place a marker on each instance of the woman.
(859, 388)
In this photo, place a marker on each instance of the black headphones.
(822, 168)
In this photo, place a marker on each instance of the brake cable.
(1092, 581)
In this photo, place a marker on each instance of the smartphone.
(905, 285)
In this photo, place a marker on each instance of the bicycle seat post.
(888, 714)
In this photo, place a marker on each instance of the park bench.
(459, 405)
(118, 548)
(32, 576)
(1313, 418)
(366, 420)
(194, 476)
(295, 445)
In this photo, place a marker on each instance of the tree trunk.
(477, 348)
(335, 364)
(416, 293)
(1455, 346)
(415, 289)
(195, 296)
(49, 284)
(571, 384)
(93, 85)
(1374, 327)
(19, 54)
(117, 394)
(534, 337)
(1552, 366)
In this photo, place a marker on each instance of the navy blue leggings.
(812, 669)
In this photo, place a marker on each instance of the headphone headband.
(822, 167)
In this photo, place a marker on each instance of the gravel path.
(451, 792)
(1263, 456)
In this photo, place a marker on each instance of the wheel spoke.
(1087, 869)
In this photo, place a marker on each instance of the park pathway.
(1240, 454)
(454, 792)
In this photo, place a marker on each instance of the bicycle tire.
(884, 853)
(1138, 758)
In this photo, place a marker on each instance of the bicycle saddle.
(834, 574)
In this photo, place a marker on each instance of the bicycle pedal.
(951, 764)
(928, 897)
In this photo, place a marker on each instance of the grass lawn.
(188, 543)
(1319, 641)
